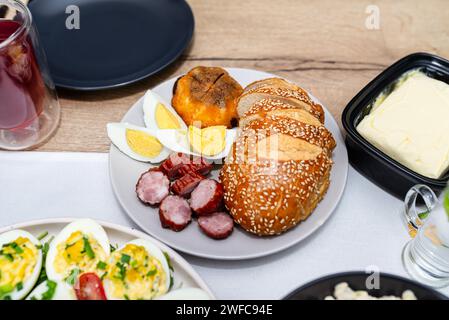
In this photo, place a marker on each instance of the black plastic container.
(387, 173)
(388, 285)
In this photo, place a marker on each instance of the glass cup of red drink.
(29, 108)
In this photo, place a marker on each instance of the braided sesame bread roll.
(274, 180)
(279, 167)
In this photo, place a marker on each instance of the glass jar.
(29, 108)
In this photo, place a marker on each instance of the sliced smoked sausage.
(206, 197)
(185, 185)
(175, 213)
(153, 186)
(218, 225)
(173, 163)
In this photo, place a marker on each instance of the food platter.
(125, 172)
(184, 275)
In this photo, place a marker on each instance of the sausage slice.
(206, 197)
(185, 185)
(175, 213)
(153, 186)
(218, 225)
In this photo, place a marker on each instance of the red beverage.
(22, 89)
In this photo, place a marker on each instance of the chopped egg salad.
(165, 131)
(80, 263)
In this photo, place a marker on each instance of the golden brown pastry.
(206, 96)
(279, 167)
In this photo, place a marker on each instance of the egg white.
(63, 291)
(28, 284)
(86, 226)
(153, 251)
(186, 294)
(117, 134)
(150, 102)
(178, 141)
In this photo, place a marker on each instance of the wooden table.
(323, 45)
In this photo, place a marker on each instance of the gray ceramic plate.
(240, 245)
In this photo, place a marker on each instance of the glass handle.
(415, 218)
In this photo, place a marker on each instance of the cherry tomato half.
(89, 287)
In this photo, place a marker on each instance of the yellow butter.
(411, 125)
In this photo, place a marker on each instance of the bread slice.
(268, 107)
(296, 98)
(271, 82)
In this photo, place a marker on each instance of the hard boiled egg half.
(52, 290)
(20, 263)
(137, 270)
(82, 246)
(137, 142)
(210, 142)
(158, 114)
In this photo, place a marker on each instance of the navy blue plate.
(118, 42)
(388, 285)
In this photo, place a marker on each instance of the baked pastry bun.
(207, 96)
(280, 164)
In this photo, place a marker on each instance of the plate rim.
(278, 249)
(60, 82)
(130, 231)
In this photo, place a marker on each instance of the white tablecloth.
(365, 230)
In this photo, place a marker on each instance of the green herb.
(73, 276)
(125, 258)
(4, 290)
(68, 245)
(42, 235)
(103, 275)
(51, 289)
(126, 297)
(101, 265)
(122, 271)
(167, 257)
(134, 264)
(45, 247)
(19, 286)
(446, 202)
(16, 247)
(423, 215)
(170, 266)
(152, 272)
(112, 247)
(88, 249)
(8, 297)
(8, 256)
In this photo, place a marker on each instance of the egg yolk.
(165, 119)
(17, 262)
(77, 254)
(209, 141)
(135, 274)
(143, 144)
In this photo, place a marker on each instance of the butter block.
(411, 125)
